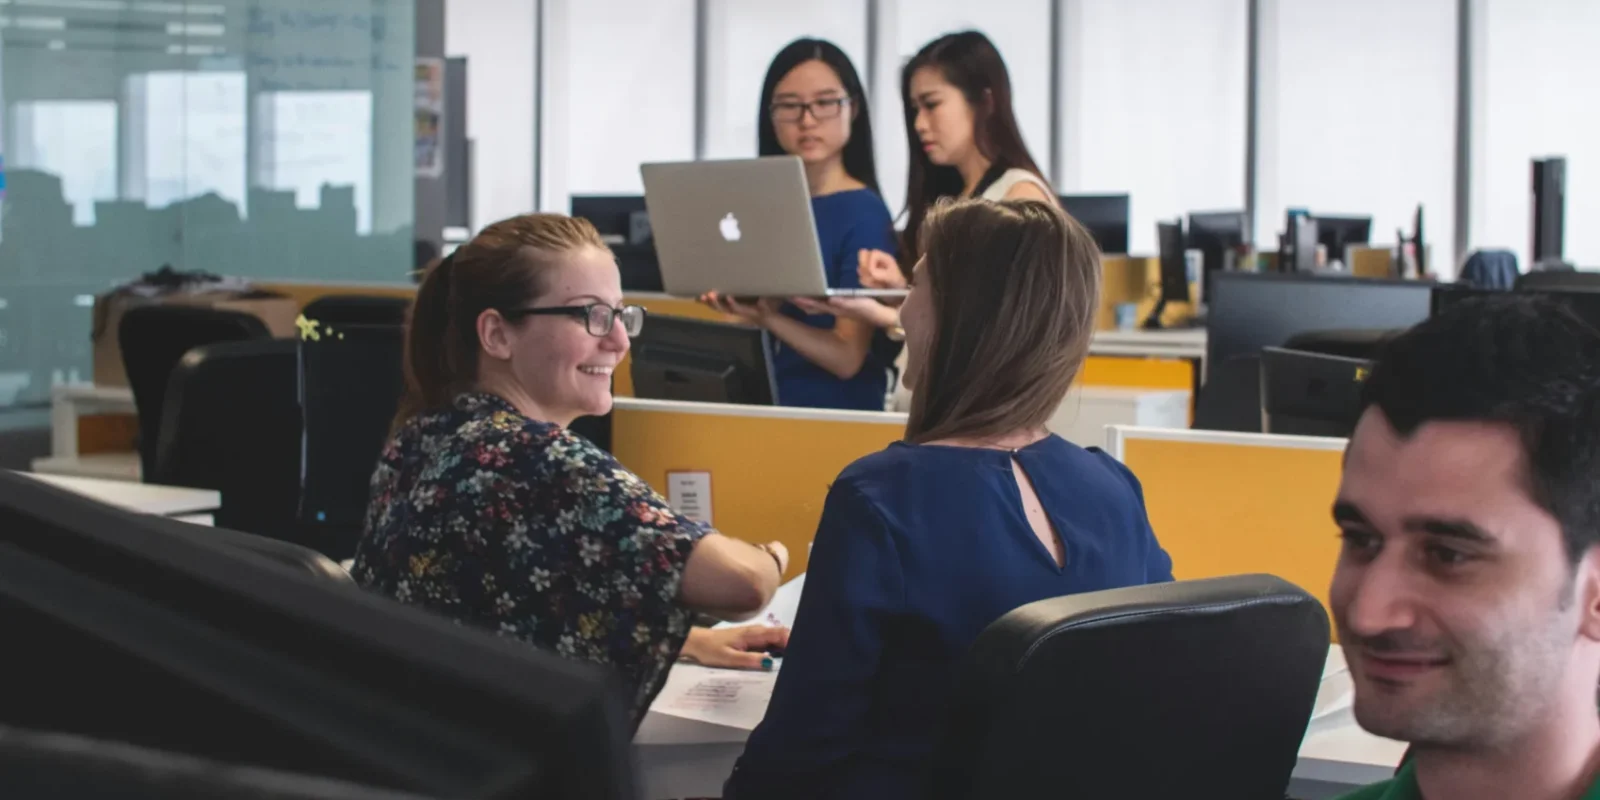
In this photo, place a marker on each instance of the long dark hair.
(1022, 261)
(969, 62)
(858, 159)
(502, 267)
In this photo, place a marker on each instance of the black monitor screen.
(1337, 233)
(624, 224)
(675, 358)
(1249, 311)
(1104, 215)
(1214, 234)
(1174, 267)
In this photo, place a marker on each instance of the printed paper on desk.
(734, 698)
(689, 494)
(782, 610)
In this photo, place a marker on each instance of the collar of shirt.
(483, 402)
(1404, 787)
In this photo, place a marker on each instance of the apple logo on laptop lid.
(730, 228)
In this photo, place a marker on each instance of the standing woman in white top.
(964, 142)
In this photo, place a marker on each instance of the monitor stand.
(1153, 322)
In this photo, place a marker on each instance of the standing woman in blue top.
(813, 106)
(978, 511)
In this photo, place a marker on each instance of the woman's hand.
(863, 309)
(755, 313)
(879, 270)
(744, 647)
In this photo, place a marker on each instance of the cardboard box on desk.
(277, 312)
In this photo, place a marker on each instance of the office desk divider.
(770, 467)
(1232, 503)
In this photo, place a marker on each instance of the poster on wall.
(430, 118)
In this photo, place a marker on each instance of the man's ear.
(1587, 586)
(494, 334)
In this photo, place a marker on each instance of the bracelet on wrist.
(776, 561)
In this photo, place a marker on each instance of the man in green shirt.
(1467, 593)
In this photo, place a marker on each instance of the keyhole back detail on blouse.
(1033, 510)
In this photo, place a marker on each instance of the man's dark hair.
(1523, 360)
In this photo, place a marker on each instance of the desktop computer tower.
(1549, 209)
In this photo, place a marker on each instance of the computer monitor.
(676, 358)
(1104, 215)
(1174, 270)
(624, 225)
(1337, 233)
(1249, 310)
(1549, 209)
(1215, 234)
(1310, 394)
(130, 633)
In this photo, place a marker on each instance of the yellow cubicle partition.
(770, 467)
(1233, 503)
(1127, 372)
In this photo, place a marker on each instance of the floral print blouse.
(524, 528)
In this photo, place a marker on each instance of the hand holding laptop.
(879, 270)
(864, 309)
(754, 313)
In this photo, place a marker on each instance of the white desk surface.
(1175, 343)
(680, 757)
(166, 501)
(90, 393)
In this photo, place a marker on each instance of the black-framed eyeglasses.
(597, 317)
(824, 109)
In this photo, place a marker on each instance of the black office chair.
(1191, 689)
(1558, 280)
(357, 309)
(153, 338)
(1345, 342)
(288, 554)
(231, 422)
(351, 380)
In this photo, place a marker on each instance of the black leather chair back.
(231, 422)
(288, 554)
(1191, 689)
(1346, 342)
(351, 380)
(357, 309)
(153, 338)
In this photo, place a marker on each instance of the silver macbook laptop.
(742, 228)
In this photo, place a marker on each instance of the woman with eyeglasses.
(486, 508)
(813, 106)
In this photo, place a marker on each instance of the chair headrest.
(1197, 688)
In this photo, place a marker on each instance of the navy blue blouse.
(847, 223)
(919, 549)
